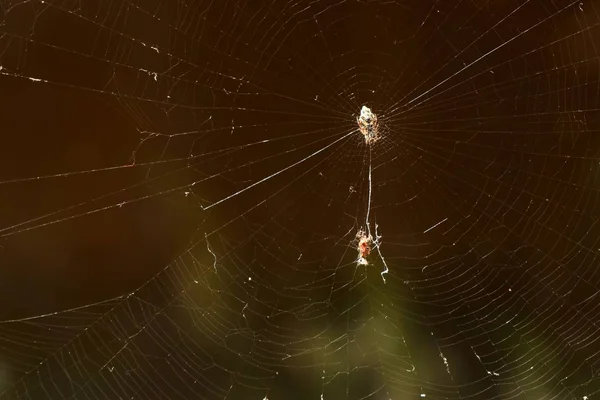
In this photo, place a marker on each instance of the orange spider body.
(364, 247)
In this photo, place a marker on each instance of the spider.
(368, 125)
(365, 244)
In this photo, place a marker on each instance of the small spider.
(365, 244)
(368, 125)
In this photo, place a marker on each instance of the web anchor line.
(274, 174)
(369, 127)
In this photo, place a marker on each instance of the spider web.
(182, 183)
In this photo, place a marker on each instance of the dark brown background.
(124, 123)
